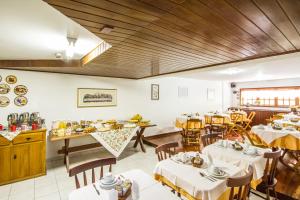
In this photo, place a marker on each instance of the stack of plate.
(108, 182)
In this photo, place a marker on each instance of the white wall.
(55, 97)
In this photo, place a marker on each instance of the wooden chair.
(249, 120)
(91, 165)
(269, 180)
(208, 139)
(243, 185)
(218, 126)
(245, 134)
(192, 132)
(236, 118)
(166, 150)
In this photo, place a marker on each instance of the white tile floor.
(56, 185)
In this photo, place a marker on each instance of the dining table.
(181, 122)
(223, 150)
(144, 187)
(285, 138)
(195, 183)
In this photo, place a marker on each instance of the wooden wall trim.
(39, 63)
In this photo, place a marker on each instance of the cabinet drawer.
(29, 137)
(4, 141)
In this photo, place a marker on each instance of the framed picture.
(154, 92)
(96, 97)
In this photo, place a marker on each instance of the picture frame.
(96, 97)
(211, 93)
(154, 92)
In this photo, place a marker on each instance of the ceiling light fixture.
(71, 47)
(231, 71)
(106, 29)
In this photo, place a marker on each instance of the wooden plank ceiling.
(153, 37)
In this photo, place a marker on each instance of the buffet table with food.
(196, 176)
(113, 135)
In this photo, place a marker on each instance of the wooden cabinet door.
(20, 161)
(37, 158)
(5, 163)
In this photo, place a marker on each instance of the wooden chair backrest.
(251, 116)
(249, 120)
(166, 150)
(243, 183)
(190, 124)
(91, 165)
(207, 119)
(217, 119)
(208, 139)
(271, 165)
(236, 117)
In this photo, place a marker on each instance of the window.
(270, 97)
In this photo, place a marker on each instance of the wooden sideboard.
(24, 157)
(262, 115)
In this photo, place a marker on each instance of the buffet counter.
(262, 114)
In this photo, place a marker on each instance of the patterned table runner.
(115, 141)
(10, 135)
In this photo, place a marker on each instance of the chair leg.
(268, 193)
(275, 194)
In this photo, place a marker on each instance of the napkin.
(135, 191)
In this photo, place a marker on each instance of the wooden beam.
(40, 63)
(100, 49)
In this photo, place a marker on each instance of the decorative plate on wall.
(4, 88)
(4, 101)
(11, 79)
(21, 101)
(20, 90)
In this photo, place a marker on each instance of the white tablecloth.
(238, 158)
(290, 116)
(145, 186)
(188, 178)
(219, 114)
(183, 119)
(268, 134)
(283, 122)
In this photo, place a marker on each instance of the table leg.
(66, 158)
(139, 139)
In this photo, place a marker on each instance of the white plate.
(108, 186)
(218, 175)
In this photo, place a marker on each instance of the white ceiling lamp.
(71, 47)
(231, 71)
